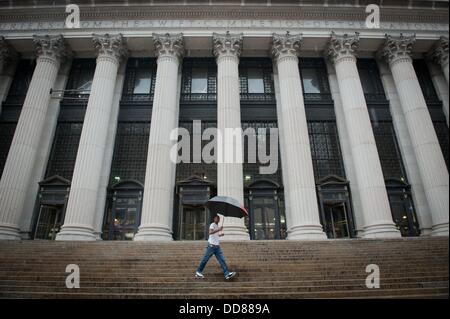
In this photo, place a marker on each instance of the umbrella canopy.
(226, 206)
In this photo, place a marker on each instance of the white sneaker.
(230, 275)
(199, 275)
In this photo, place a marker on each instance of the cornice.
(202, 12)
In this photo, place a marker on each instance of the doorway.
(192, 218)
(402, 207)
(194, 224)
(49, 222)
(50, 209)
(123, 214)
(336, 220)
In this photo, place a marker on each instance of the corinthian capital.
(7, 53)
(169, 45)
(286, 45)
(396, 48)
(227, 44)
(342, 46)
(51, 46)
(439, 53)
(112, 46)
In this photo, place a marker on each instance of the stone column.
(81, 212)
(44, 149)
(406, 149)
(432, 168)
(19, 165)
(230, 182)
(156, 220)
(440, 55)
(346, 151)
(371, 187)
(296, 158)
(441, 86)
(8, 63)
(109, 152)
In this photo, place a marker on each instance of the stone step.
(270, 281)
(372, 293)
(410, 268)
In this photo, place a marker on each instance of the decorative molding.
(167, 45)
(397, 48)
(52, 47)
(286, 45)
(111, 46)
(227, 45)
(314, 12)
(342, 47)
(439, 52)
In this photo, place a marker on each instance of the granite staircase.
(409, 268)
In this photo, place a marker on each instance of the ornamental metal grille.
(325, 149)
(425, 81)
(252, 170)
(64, 150)
(256, 80)
(130, 152)
(314, 74)
(140, 80)
(204, 170)
(371, 80)
(388, 151)
(199, 81)
(441, 129)
(6, 136)
(79, 82)
(21, 82)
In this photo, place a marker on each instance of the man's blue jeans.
(214, 250)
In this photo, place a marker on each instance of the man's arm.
(212, 231)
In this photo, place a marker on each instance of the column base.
(152, 232)
(440, 230)
(381, 231)
(306, 232)
(9, 232)
(76, 233)
(98, 236)
(235, 233)
(424, 232)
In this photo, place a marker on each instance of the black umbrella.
(226, 206)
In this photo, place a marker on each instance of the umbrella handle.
(223, 221)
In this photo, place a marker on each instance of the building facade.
(87, 114)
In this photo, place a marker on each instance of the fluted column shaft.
(406, 149)
(156, 220)
(346, 151)
(304, 217)
(109, 152)
(19, 165)
(369, 176)
(430, 160)
(80, 215)
(230, 181)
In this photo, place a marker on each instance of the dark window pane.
(6, 136)
(64, 152)
(325, 149)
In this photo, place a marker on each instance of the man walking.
(215, 232)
